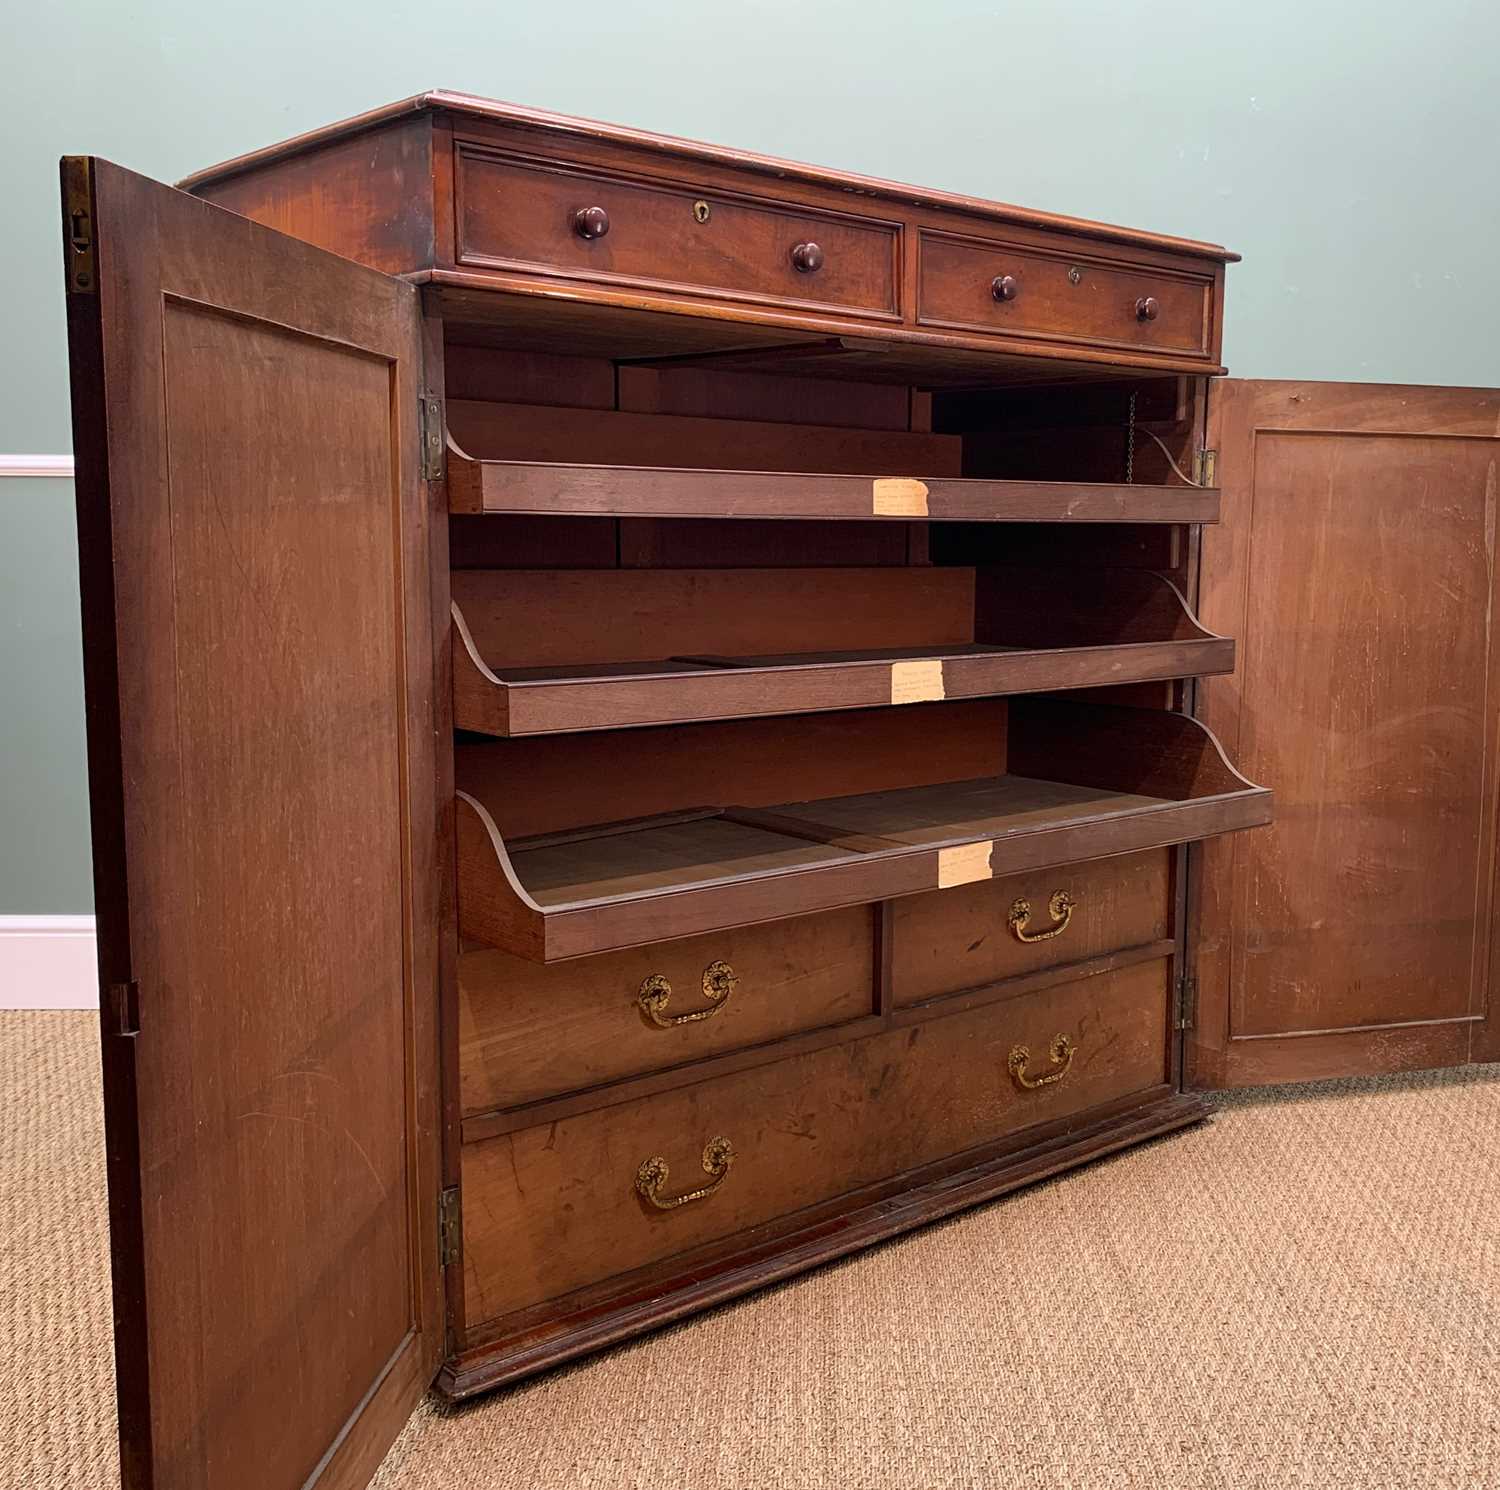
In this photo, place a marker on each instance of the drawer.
(1063, 297)
(967, 937)
(551, 1209)
(541, 217)
(529, 1030)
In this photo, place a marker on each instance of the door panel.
(1355, 562)
(253, 543)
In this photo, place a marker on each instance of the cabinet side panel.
(367, 196)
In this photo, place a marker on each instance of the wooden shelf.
(494, 486)
(1083, 781)
(1039, 631)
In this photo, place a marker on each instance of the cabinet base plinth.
(537, 1343)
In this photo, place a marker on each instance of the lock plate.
(78, 226)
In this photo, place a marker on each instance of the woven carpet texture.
(1303, 1292)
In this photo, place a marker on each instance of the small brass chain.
(1130, 443)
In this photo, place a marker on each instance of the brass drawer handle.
(653, 1174)
(1061, 905)
(719, 982)
(1061, 1051)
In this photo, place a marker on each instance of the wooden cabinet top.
(588, 226)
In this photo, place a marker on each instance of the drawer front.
(551, 1209)
(529, 1031)
(523, 215)
(1058, 297)
(976, 934)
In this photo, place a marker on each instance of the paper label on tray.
(900, 496)
(917, 682)
(964, 863)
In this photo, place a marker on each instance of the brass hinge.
(1206, 467)
(1187, 1002)
(122, 1006)
(450, 1227)
(432, 437)
(78, 227)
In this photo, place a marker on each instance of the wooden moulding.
(1084, 781)
(663, 491)
(1038, 631)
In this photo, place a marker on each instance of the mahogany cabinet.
(644, 725)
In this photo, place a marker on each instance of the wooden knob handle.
(807, 258)
(1147, 308)
(1005, 287)
(591, 222)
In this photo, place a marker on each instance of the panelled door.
(253, 538)
(1356, 564)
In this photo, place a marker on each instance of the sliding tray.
(930, 633)
(503, 486)
(1083, 781)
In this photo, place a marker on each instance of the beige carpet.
(1305, 1292)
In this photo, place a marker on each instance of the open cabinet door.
(253, 537)
(1356, 564)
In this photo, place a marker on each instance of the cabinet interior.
(657, 715)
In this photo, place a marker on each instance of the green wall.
(1345, 147)
(44, 814)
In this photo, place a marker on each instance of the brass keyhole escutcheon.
(702, 211)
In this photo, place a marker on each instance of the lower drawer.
(551, 1209)
(530, 1030)
(977, 934)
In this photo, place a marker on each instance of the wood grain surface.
(259, 665)
(962, 938)
(1358, 564)
(530, 1032)
(552, 1209)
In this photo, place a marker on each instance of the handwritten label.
(964, 863)
(917, 682)
(900, 496)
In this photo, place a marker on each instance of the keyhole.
(702, 211)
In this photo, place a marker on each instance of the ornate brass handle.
(718, 1155)
(719, 982)
(1061, 905)
(1061, 1050)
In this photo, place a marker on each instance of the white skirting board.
(47, 962)
(36, 465)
